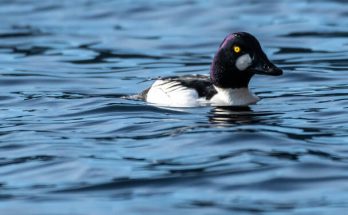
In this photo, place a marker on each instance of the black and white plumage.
(238, 58)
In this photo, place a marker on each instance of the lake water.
(71, 144)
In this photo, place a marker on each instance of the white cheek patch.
(243, 62)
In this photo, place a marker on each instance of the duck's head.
(238, 58)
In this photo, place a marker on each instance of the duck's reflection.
(233, 115)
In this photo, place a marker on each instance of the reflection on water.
(71, 141)
(232, 115)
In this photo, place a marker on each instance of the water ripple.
(70, 134)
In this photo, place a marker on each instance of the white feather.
(233, 97)
(243, 62)
(170, 93)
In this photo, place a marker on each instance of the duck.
(238, 58)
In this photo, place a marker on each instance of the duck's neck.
(230, 83)
(235, 97)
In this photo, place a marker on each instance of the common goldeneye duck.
(238, 58)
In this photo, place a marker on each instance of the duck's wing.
(179, 90)
(200, 83)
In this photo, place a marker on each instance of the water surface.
(71, 144)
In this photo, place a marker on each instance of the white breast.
(171, 93)
(233, 97)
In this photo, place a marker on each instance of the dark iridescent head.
(238, 58)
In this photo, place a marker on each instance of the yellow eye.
(236, 49)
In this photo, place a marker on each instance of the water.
(71, 144)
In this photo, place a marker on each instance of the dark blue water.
(71, 144)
